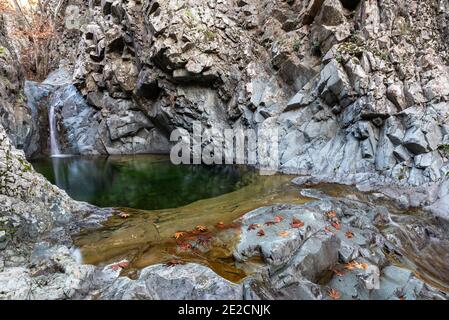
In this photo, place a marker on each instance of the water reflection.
(144, 182)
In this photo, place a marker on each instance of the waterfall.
(53, 132)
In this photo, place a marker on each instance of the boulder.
(181, 282)
(415, 141)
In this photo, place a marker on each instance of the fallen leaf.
(284, 234)
(179, 234)
(120, 265)
(361, 266)
(296, 223)
(270, 223)
(201, 228)
(338, 272)
(334, 294)
(350, 266)
(124, 215)
(220, 225)
(331, 214)
(253, 226)
(356, 265)
(336, 225)
(327, 229)
(349, 234)
(204, 239)
(174, 262)
(261, 233)
(278, 219)
(185, 246)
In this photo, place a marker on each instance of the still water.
(142, 182)
(160, 199)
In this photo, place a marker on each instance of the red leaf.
(261, 233)
(204, 239)
(336, 225)
(278, 219)
(120, 265)
(185, 246)
(334, 294)
(296, 223)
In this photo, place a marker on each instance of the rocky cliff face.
(357, 87)
(15, 117)
(379, 103)
(359, 90)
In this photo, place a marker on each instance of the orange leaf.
(338, 273)
(220, 225)
(201, 228)
(296, 223)
(349, 234)
(284, 234)
(350, 266)
(361, 266)
(261, 233)
(334, 294)
(179, 234)
(331, 214)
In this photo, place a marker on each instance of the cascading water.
(53, 132)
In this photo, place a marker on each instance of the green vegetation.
(296, 45)
(402, 174)
(209, 35)
(444, 149)
(26, 165)
(189, 14)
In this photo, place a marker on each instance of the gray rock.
(415, 141)
(181, 282)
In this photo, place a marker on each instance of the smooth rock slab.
(181, 282)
